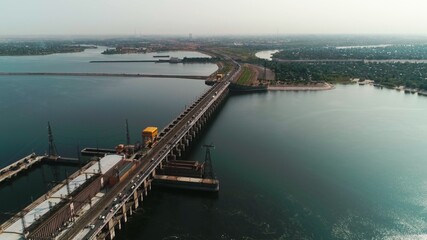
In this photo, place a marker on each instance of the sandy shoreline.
(326, 86)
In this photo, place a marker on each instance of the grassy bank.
(245, 78)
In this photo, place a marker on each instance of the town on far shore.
(290, 62)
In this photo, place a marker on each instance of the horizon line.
(195, 36)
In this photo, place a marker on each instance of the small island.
(29, 48)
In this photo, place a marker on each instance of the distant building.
(122, 49)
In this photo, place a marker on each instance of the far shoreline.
(325, 87)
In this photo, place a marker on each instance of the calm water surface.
(266, 54)
(79, 62)
(83, 111)
(88, 110)
(343, 164)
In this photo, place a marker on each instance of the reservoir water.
(343, 164)
(83, 111)
(88, 110)
(267, 55)
(349, 163)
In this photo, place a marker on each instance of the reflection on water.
(341, 164)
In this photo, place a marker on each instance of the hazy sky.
(211, 17)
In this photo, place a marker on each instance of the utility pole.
(52, 153)
(78, 156)
(52, 148)
(208, 170)
(127, 133)
(67, 181)
(24, 227)
(99, 165)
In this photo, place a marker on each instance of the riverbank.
(397, 88)
(302, 87)
(35, 49)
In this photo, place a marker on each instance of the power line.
(208, 169)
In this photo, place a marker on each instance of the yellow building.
(149, 135)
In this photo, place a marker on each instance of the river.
(342, 164)
(83, 111)
(348, 163)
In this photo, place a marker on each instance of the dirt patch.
(266, 74)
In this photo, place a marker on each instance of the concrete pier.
(19, 166)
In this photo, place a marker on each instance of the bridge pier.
(145, 187)
(171, 157)
(135, 199)
(182, 146)
(111, 228)
(124, 211)
(189, 137)
(177, 151)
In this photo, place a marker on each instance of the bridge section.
(100, 220)
(84, 208)
(174, 139)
